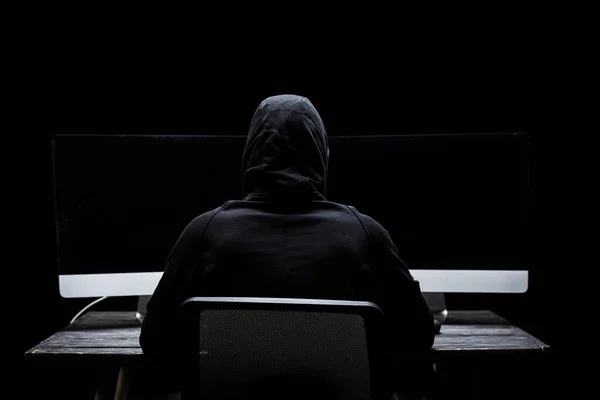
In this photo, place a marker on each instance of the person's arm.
(410, 326)
(157, 333)
(158, 337)
(409, 319)
(409, 316)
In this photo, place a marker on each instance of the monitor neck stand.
(437, 304)
(141, 308)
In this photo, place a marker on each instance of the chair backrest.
(283, 348)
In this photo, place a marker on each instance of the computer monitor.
(456, 206)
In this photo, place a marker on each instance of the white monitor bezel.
(431, 281)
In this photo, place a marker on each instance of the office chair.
(283, 348)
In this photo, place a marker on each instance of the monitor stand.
(141, 308)
(437, 304)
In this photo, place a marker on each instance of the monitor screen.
(450, 202)
(122, 201)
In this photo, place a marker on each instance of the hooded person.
(285, 239)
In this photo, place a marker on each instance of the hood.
(287, 151)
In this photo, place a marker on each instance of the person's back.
(284, 239)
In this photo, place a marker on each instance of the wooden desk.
(111, 339)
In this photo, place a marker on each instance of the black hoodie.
(284, 239)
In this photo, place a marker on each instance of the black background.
(101, 83)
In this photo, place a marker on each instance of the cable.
(84, 309)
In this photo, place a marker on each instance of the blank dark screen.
(448, 201)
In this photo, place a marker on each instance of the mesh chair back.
(282, 349)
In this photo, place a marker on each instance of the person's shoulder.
(372, 227)
(197, 225)
(370, 223)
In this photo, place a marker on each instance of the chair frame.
(372, 315)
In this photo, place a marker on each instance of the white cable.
(84, 309)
